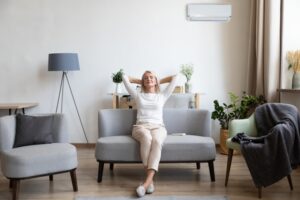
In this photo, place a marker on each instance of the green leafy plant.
(238, 108)
(187, 70)
(225, 112)
(248, 103)
(117, 77)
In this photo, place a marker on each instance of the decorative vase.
(118, 88)
(188, 87)
(223, 138)
(296, 80)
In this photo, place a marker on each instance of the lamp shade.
(63, 62)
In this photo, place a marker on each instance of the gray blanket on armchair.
(272, 155)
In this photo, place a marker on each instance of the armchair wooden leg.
(111, 166)
(100, 171)
(259, 192)
(211, 170)
(51, 177)
(74, 180)
(198, 165)
(290, 181)
(10, 183)
(15, 188)
(229, 160)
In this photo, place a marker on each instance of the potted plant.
(187, 70)
(293, 58)
(239, 108)
(248, 103)
(117, 79)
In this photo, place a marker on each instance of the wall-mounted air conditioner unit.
(208, 12)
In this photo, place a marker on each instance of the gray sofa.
(115, 144)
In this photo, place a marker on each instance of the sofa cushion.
(36, 160)
(31, 130)
(175, 148)
(188, 148)
(117, 148)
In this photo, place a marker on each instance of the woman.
(149, 129)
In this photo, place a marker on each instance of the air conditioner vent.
(208, 12)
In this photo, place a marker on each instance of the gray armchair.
(36, 160)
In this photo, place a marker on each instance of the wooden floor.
(172, 179)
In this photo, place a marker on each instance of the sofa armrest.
(246, 126)
(7, 132)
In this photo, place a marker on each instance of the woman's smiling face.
(149, 80)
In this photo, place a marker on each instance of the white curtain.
(264, 49)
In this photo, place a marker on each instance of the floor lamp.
(65, 62)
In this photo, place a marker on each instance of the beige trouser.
(151, 138)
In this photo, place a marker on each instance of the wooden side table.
(16, 106)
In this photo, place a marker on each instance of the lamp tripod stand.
(61, 97)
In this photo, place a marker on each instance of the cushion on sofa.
(175, 148)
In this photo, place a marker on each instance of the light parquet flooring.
(172, 179)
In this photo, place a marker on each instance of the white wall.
(110, 34)
(291, 40)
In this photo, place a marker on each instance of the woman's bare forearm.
(167, 79)
(134, 80)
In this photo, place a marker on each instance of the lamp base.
(60, 99)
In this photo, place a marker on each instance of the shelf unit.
(123, 100)
(295, 91)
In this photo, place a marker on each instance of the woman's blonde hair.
(157, 81)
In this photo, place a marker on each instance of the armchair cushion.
(28, 161)
(31, 130)
(236, 126)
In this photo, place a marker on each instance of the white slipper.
(140, 191)
(150, 189)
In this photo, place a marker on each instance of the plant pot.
(118, 88)
(296, 80)
(223, 138)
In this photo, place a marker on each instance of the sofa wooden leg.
(290, 181)
(111, 166)
(10, 183)
(198, 165)
(15, 188)
(51, 177)
(100, 171)
(211, 170)
(74, 180)
(229, 160)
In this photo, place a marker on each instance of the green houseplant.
(238, 108)
(117, 79)
(226, 112)
(187, 70)
(248, 103)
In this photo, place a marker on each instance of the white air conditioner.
(208, 12)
